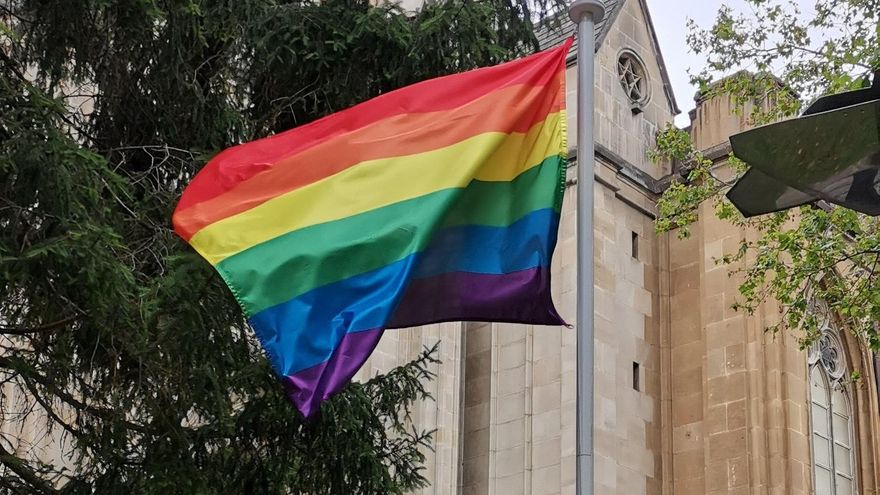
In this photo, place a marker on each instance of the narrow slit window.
(636, 384)
(635, 245)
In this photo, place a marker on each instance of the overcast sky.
(670, 20)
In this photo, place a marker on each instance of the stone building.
(691, 396)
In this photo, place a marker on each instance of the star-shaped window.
(632, 78)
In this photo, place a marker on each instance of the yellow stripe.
(492, 156)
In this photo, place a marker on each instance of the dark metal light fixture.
(831, 152)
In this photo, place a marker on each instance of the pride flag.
(436, 202)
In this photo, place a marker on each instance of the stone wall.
(443, 412)
(629, 135)
(740, 404)
(740, 421)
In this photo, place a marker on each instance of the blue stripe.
(304, 331)
(526, 243)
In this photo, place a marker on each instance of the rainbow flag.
(436, 202)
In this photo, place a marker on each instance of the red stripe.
(513, 109)
(242, 162)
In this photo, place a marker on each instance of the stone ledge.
(623, 168)
(625, 172)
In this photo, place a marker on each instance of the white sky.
(670, 21)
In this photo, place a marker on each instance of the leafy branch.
(813, 253)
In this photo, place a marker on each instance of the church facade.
(691, 397)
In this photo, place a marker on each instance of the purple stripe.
(517, 297)
(309, 387)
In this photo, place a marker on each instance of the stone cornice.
(638, 180)
(623, 168)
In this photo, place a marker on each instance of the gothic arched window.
(831, 419)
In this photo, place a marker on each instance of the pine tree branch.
(13, 66)
(48, 409)
(17, 466)
(9, 330)
(52, 388)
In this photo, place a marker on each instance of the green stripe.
(498, 204)
(297, 262)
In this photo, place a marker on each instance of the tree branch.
(51, 412)
(8, 330)
(99, 412)
(18, 467)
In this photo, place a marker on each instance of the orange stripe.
(240, 163)
(512, 109)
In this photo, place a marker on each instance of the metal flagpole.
(585, 13)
